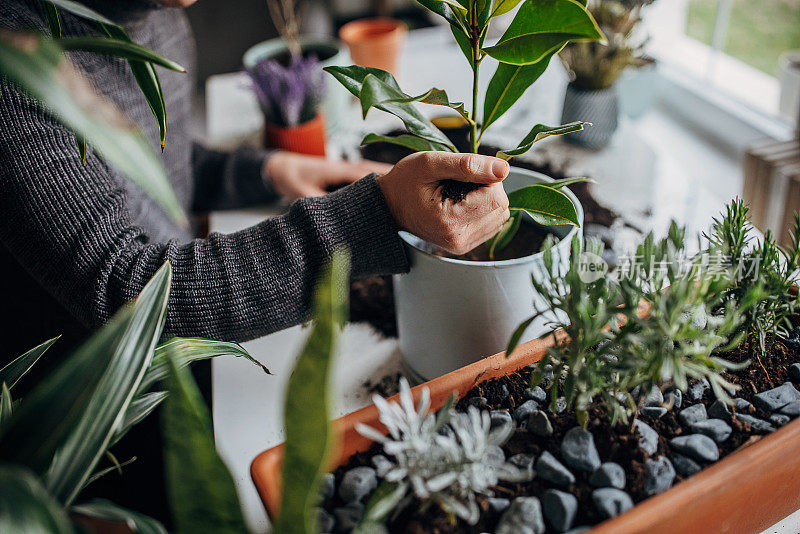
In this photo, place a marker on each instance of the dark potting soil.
(528, 240)
(618, 443)
(372, 302)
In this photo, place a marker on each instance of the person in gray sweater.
(79, 240)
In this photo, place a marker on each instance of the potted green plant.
(672, 417)
(452, 310)
(595, 68)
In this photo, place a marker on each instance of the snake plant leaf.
(81, 10)
(131, 356)
(37, 67)
(53, 18)
(5, 403)
(537, 133)
(308, 431)
(541, 28)
(501, 7)
(352, 78)
(118, 48)
(141, 406)
(517, 335)
(108, 511)
(25, 506)
(201, 491)
(544, 204)
(506, 233)
(374, 92)
(19, 367)
(409, 141)
(185, 350)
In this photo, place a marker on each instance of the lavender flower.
(288, 95)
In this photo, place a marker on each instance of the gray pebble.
(774, 399)
(648, 438)
(697, 390)
(656, 412)
(537, 394)
(524, 516)
(654, 398)
(692, 414)
(660, 474)
(327, 486)
(524, 410)
(792, 409)
(382, 465)
(696, 446)
(610, 502)
(741, 405)
(539, 424)
(716, 429)
(525, 463)
(756, 424)
(720, 410)
(578, 450)
(779, 420)
(794, 372)
(560, 509)
(684, 465)
(550, 469)
(498, 504)
(325, 521)
(504, 393)
(348, 516)
(674, 398)
(608, 475)
(357, 484)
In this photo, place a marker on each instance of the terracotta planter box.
(745, 492)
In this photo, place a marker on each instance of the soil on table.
(619, 443)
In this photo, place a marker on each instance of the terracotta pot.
(375, 42)
(745, 492)
(307, 138)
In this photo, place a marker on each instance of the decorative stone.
(500, 419)
(524, 410)
(794, 372)
(648, 438)
(793, 339)
(537, 394)
(660, 474)
(524, 516)
(550, 469)
(654, 398)
(756, 424)
(696, 446)
(656, 412)
(578, 450)
(478, 402)
(382, 465)
(608, 475)
(697, 390)
(716, 429)
(357, 483)
(684, 465)
(720, 410)
(792, 409)
(610, 502)
(348, 516)
(774, 399)
(779, 420)
(692, 414)
(498, 504)
(560, 509)
(674, 397)
(504, 393)
(525, 463)
(327, 486)
(539, 424)
(325, 521)
(741, 405)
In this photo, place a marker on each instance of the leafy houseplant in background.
(594, 69)
(483, 295)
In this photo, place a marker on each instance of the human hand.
(413, 192)
(299, 175)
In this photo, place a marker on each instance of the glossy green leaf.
(559, 184)
(501, 7)
(185, 350)
(541, 28)
(484, 9)
(352, 78)
(507, 85)
(517, 335)
(201, 492)
(25, 506)
(375, 92)
(19, 367)
(37, 67)
(141, 406)
(409, 141)
(537, 133)
(544, 204)
(81, 10)
(5, 403)
(131, 356)
(117, 48)
(307, 412)
(463, 42)
(506, 233)
(53, 18)
(445, 11)
(108, 511)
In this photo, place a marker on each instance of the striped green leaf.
(25, 506)
(19, 367)
(118, 48)
(108, 511)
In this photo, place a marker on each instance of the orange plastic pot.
(375, 42)
(746, 492)
(307, 138)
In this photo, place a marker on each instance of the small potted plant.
(375, 42)
(452, 310)
(595, 68)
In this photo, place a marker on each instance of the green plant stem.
(475, 42)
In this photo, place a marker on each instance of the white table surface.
(654, 171)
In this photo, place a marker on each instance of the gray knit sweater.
(79, 241)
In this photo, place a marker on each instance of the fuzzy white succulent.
(449, 458)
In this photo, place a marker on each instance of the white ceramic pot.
(789, 66)
(450, 312)
(330, 52)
